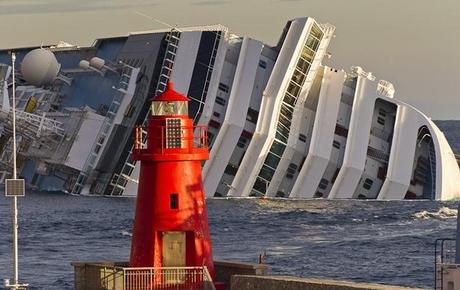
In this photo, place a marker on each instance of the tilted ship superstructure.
(281, 124)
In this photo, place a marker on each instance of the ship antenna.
(157, 20)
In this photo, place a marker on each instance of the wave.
(443, 213)
(126, 233)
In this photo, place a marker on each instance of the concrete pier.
(242, 282)
(235, 275)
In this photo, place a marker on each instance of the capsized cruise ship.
(281, 124)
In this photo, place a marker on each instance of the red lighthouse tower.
(171, 224)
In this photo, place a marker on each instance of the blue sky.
(412, 43)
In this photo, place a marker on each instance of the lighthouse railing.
(119, 276)
(174, 138)
(167, 278)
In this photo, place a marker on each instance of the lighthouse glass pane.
(169, 108)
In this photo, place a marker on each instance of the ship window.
(262, 64)
(292, 166)
(336, 144)
(323, 183)
(216, 114)
(298, 77)
(246, 134)
(174, 201)
(272, 160)
(302, 138)
(280, 194)
(214, 124)
(242, 142)
(286, 111)
(210, 137)
(277, 148)
(285, 121)
(282, 132)
(312, 42)
(101, 140)
(260, 185)
(316, 31)
(318, 194)
(303, 64)
(289, 99)
(220, 101)
(130, 111)
(381, 121)
(368, 183)
(382, 112)
(291, 170)
(293, 89)
(223, 87)
(266, 173)
(301, 163)
(252, 115)
(230, 170)
(97, 148)
(307, 54)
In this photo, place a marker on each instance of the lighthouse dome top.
(170, 95)
(170, 103)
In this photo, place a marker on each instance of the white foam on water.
(443, 213)
(126, 233)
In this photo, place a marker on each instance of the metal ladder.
(104, 131)
(120, 180)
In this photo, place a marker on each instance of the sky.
(414, 44)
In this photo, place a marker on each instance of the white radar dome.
(97, 62)
(84, 64)
(40, 67)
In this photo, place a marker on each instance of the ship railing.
(148, 278)
(328, 29)
(444, 262)
(173, 137)
(41, 122)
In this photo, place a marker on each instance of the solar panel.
(14, 187)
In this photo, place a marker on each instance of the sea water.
(388, 242)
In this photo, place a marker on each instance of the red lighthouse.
(171, 224)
